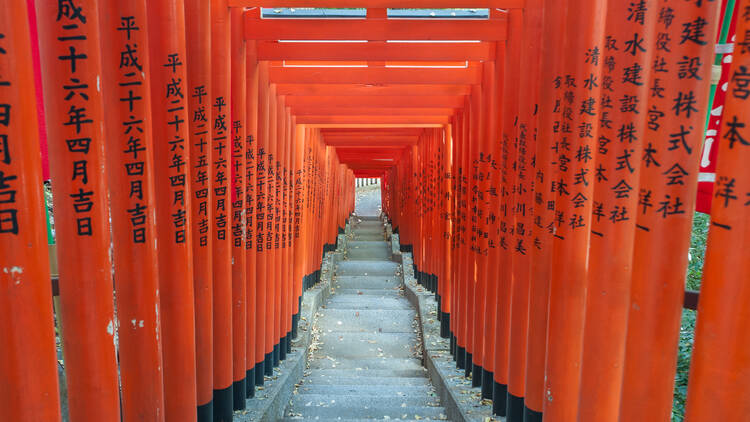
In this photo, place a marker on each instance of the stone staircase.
(366, 359)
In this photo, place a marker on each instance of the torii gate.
(539, 160)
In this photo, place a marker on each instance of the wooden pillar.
(718, 386)
(198, 43)
(71, 65)
(545, 174)
(28, 361)
(506, 153)
(624, 74)
(221, 227)
(239, 229)
(666, 199)
(254, 355)
(130, 176)
(166, 23)
(573, 207)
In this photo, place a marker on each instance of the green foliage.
(687, 330)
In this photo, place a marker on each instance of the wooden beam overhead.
(386, 131)
(369, 111)
(375, 29)
(379, 4)
(273, 50)
(431, 101)
(371, 126)
(422, 121)
(370, 90)
(384, 141)
(375, 75)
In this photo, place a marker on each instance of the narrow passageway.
(366, 358)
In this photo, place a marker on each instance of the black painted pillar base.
(276, 355)
(206, 412)
(476, 376)
(531, 415)
(445, 327)
(239, 392)
(250, 383)
(223, 404)
(289, 342)
(454, 352)
(515, 408)
(282, 348)
(499, 391)
(488, 379)
(260, 370)
(461, 358)
(469, 365)
(439, 301)
(268, 367)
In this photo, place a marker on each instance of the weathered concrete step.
(303, 401)
(358, 249)
(368, 236)
(369, 225)
(396, 391)
(371, 373)
(355, 267)
(374, 255)
(357, 302)
(343, 320)
(364, 412)
(355, 244)
(367, 282)
(387, 293)
(367, 345)
(339, 419)
(354, 380)
(383, 363)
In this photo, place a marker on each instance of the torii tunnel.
(539, 158)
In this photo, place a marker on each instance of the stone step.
(382, 390)
(373, 255)
(343, 320)
(356, 267)
(302, 401)
(384, 293)
(379, 412)
(367, 282)
(354, 380)
(419, 372)
(368, 236)
(318, 419)
(366, 302)
(382, 363)
(367, 345)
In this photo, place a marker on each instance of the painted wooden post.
(239, 230)
(28, 361)
(573, 209)
(198, 61)
(71, 66)
(130, 175)
(254, 357)
(511, 95)
(221, 144)
(718, 385)
(621, 134)
(166, 23)
(668, 182)
(545, 174)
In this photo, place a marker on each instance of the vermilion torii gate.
(539, 159)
